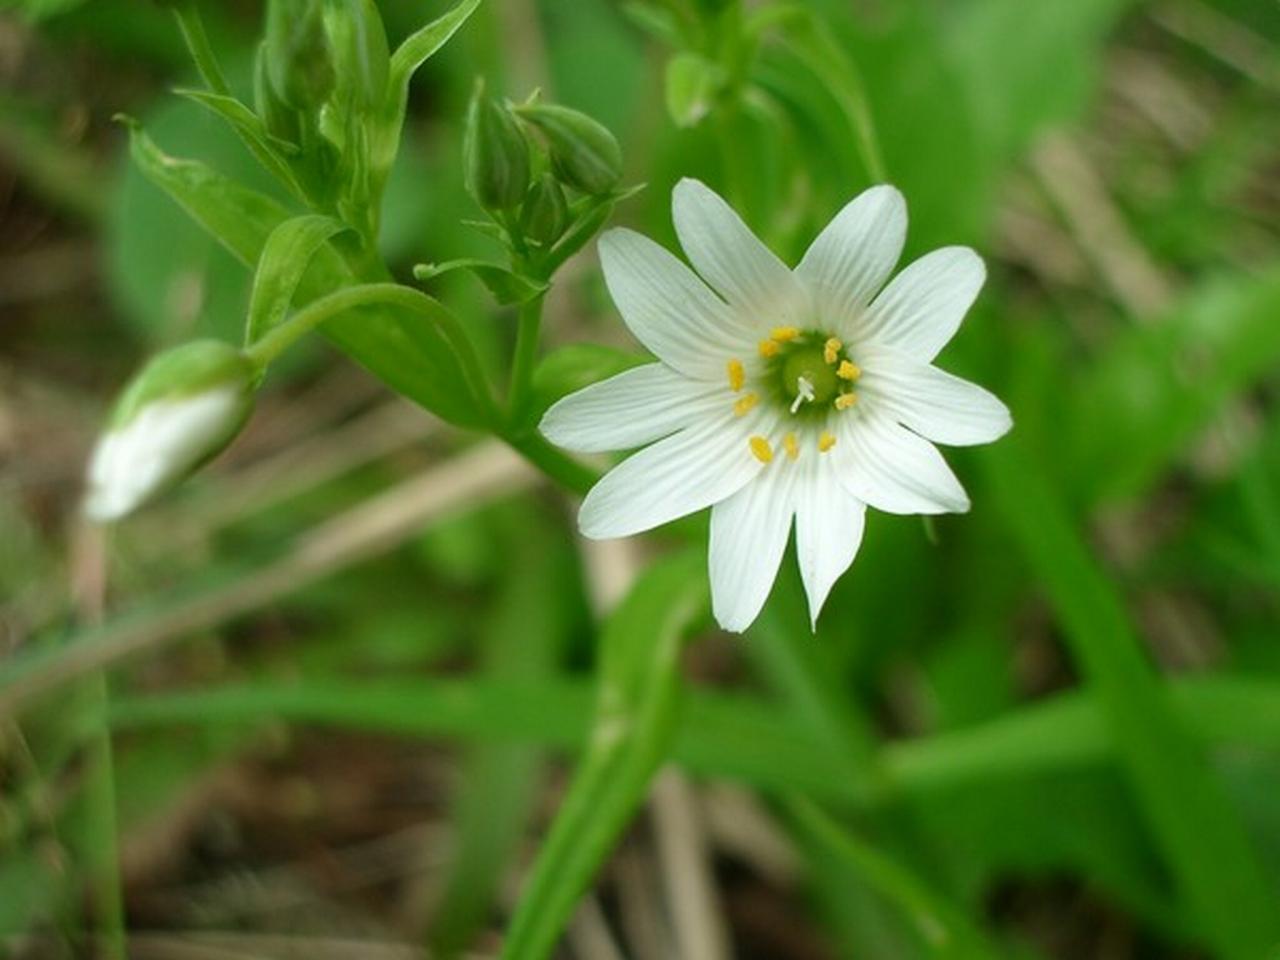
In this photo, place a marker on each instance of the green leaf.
(692, 82)
(268, 150)
(636, 713)
(285, 258)
(1186, 808)
(407, 339)
(1159, 384)
(416, 49)
(940, 925)
(507, 287)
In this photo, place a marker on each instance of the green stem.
(100, 796)
(552, 461)
(529, 326)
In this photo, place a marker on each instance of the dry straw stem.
(483, 472)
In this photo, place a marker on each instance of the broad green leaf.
(284, 261)
(1194, 824)
(635, 721)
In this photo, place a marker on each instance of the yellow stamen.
(831, 350)
(848, 371)
(791, 446)
(737, 375)
(761, 449)
(826, 441)
(783, 334)
(743, 404)
(846, 400)
(768, 348)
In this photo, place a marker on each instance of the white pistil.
(805, 394)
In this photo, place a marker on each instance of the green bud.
(299, 59)
(495, 154)
(360, 51)
(178, 412)
(280, 119)
(545, 213)
(584, 154)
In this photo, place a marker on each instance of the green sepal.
(361, 56)
(506, 286)
(300, 59)
(495, 153)
(193, 368)
(584, 154)
(544, 215)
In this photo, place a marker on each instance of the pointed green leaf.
(506, 287)
(285, 259)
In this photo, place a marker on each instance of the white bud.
(181, 410)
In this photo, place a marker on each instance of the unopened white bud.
(180, 411)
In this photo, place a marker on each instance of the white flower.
(806, 393)
(181, 410)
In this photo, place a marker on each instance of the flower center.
(807, 378)
(808, 371)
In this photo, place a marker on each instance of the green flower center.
(810, 371)
(805, 366)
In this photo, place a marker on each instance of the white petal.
(631, 409)
(682, 474)
(668, 308)
(938, 406)
(158, 446)
(853, 256)
(748, 537)
(894, 470)
(829, 525)
(921, 308)
(732, 259)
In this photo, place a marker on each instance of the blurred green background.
(1049, 728)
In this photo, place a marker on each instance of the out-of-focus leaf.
(636, 713)
(1154, 388)
(1195, 826)
(692, 82)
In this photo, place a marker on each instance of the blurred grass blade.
(285, 258)
(1196, 827)
(941, 926)
(634, 726)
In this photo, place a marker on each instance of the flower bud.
(360, 50)
(495, 154)
(584, 154)
(299, 60)
(178, 412)
(545, 213)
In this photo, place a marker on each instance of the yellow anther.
(768, 348)
(846, 400)
(737, 375)
(792, 447)
(848, 370)
(826, 441)
(783, 334)
(831, 350)
(743, 404)
(761, 449)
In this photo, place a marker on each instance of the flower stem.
(552, 461)
(528, 328)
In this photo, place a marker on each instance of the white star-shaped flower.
(779, 394)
